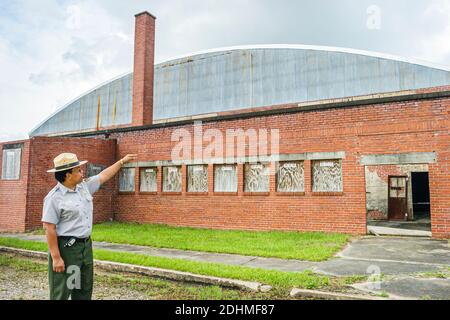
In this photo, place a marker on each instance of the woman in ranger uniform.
(67, 218)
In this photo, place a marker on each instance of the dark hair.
(61, 176)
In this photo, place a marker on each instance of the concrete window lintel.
(399, 159)
(240, 160)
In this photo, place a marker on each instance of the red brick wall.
(13, 194)
(241, 211)
(415, 126)
(21, 210)
(44, 150)
(440, 185)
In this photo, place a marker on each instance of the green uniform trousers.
(77, 280)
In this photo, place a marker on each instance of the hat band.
(67, 166)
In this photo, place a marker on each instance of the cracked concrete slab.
(350, 267)
(400, 249)
(410, 288)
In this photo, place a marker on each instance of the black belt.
(83, 240)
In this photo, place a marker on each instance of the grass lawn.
(277, 279)
(311, 246)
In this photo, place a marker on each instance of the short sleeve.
(93, 184)
(50, 213)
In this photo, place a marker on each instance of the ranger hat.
(66, 161)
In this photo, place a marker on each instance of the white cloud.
(73, 21)
(95, 47)
(436, 46)
(52, 56)
(9, 137)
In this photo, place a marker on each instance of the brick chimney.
(144, 57)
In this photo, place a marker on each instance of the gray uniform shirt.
(71, 211)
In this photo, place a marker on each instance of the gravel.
(21, 284)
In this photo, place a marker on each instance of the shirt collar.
(64, 189)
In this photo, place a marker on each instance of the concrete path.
(420, 224)
(392, 256)
(387, 231)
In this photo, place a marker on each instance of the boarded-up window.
(172, 179)
(11, 162)
(197, 178)
(94, 169)
(126, 179)
(225, 178)
(327, 176)
(291, 177)
(256, 178)
(148, 180)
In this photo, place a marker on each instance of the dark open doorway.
(421, 195)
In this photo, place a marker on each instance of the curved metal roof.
(242, 77)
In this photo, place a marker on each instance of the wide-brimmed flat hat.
(66, 161)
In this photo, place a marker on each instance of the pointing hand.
(129, 157)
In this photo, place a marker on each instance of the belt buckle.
(70, 242)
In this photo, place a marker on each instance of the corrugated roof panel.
(247, 77)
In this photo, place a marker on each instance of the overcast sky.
(52, 51)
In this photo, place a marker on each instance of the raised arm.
(110, 172)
